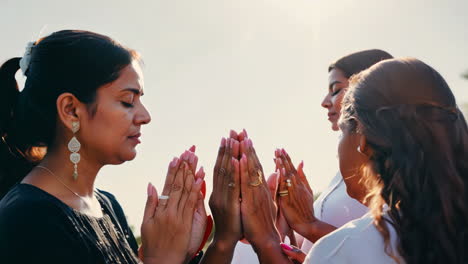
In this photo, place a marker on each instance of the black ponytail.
(14, 165)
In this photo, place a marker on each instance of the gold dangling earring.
(74, 146)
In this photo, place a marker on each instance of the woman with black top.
(80, 109)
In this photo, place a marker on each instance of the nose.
(327, 103)
(143, 117)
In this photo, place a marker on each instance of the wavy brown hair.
(419, 162)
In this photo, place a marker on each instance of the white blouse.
(359, 241)
(335, 207)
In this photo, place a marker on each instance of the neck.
(58, 162)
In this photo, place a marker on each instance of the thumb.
(293, 252)
(151, 202)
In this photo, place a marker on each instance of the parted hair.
(356, 62)
(74, 61)
(419, 163)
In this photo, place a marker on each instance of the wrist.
(223, 246)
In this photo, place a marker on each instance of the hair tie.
(26, 59)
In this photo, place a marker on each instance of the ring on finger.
(231, 184)
(288, 182)
(259, 180)
(283, 193)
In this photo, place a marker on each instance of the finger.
(171, 172)
(272, 183)
(188, 184)
(244, 178)
(293, 252)
(302, 176)
(193, 148)
(151, 203)
(193, 160)
(219, 160)
(253, 154)
(282, 187)
(233, 134)
(235, 149)
(243, 135)
(289, 161)
(192, 201)
(256, 170)
(289, 168)
(225, 168)
(235, 178)
(176, 188)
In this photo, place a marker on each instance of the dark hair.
(74, 61)
(419, 160)
(358, 61)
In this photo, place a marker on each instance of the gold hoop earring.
(74, 146)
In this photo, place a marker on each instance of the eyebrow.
(333, 83)
(134, 90)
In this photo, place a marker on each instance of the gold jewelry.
(283, 193)
(259, 179)
(66, 186)
(288, 183)
(74, 146)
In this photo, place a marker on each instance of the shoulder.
(358, 241)
(24, 201)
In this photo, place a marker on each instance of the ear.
(365, 149)
(69, 109)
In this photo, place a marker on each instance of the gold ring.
(259, 180)
(283, 193)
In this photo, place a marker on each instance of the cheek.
(337, 101)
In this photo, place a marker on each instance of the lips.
(136, 137)
(332, 116)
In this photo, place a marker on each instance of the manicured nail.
(192, 148)
(245, 132)
(153, 190)
(198, 181)
(249, 141)
(192, 158)
(286, 246)
(223, 142)
(174, 162)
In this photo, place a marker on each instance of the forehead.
(336, 75)
(130, 77)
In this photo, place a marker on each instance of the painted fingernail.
(193, 148)
(244, 157)
(245, 132)
(153, 190)
(198, 181)
(174, 162)
(223, 142)
(287, 247)
(192, 158)
(250, 142)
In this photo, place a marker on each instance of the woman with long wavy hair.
(401, 117)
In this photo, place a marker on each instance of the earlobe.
(363, 146)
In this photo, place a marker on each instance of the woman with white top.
(333, 206)
(402, 119)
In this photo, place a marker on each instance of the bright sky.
(213, 65)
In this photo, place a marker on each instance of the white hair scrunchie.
(26, 59)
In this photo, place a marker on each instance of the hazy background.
(212, 65)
